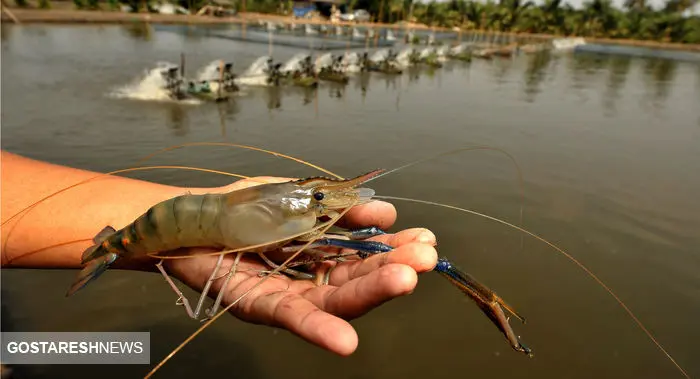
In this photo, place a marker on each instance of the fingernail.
(426, 237)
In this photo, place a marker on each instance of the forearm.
(76, 214)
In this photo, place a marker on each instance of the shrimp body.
(270, 215)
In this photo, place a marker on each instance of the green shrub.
(79, 4)
(44, 4)
(22, 3)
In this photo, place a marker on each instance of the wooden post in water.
(269, 50)
(221, 79)
(182, 65)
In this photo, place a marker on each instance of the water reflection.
(584, 66)
(336, 91)
(227, 112)
(501, 68)
(310, 94)
(659, 74)
(390, 81)
(535, 74)
(139, 30)
(273, 98)
(177, 119)
(5, 32)
(617, 76)
(362, 83)
(413, 74)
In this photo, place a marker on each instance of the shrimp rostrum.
(263, 219)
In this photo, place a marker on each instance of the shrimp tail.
(93, 251)
(96, 259)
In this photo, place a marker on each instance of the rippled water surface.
(609, 149)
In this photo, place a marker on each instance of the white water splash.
(567, 43)
(294, 63)
(325, 60)
(210, 71)
(379, 55)
(459, 49)
(350, 62)
(256, 74)
(403, 57)
(150, 86)
(258, 67)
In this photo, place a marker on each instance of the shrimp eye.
(319, 196)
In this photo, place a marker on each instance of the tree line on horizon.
(636, 20)
(596, 18)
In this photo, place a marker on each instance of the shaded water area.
(609, 148)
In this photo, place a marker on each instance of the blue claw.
(486, 299)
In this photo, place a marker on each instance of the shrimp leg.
(194, 314)
(232, 271)
(296, 274)
(181, 297)
(367, 247)
(205, 291)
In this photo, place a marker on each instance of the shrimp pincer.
(259, 219)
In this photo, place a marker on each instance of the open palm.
(314, 312)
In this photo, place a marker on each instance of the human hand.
(318, 313)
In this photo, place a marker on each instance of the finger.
(413, 248)
(362, 294)
(297, 314)
(417, 256)
(418, 235)
(377, 213)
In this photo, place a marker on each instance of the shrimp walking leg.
(181, 297)
(296, 274)
(194, 314)
(211, 280)
(231, 272)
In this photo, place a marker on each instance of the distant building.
(302, 8)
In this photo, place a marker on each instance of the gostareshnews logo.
(75, 348)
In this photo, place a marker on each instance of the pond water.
(609, 149)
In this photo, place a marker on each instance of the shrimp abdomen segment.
(183, 221)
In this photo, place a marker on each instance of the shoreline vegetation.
(65, 13)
